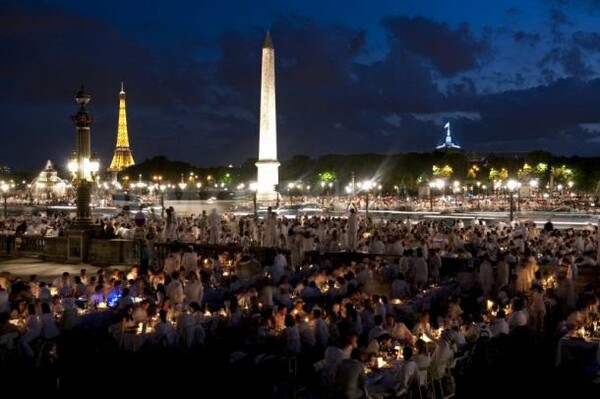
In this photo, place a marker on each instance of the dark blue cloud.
(527, 38)
(450, 50)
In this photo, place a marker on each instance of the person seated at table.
(423, 328)
(407, 372)
(298, 309)
(140, 312)
(499, 326)
(164, 332)
(79, 289)
(20, 314)
(6, 326)
(398, 380)
(291, 336)
(125, 299)
(63, 284)
(457, 336)
(349, 377)
(469, 329)
(97, 297)
(443, 353)
(377, 329)
(519, 318)
(399, 331)
(189, 325)
(321, 329)
(381, 343)
(114, 293)
(49, 328)
(32, 331)
(454, 310)
(128, 323)
(582, 315)
(44, 293)
(422, 357)
(337, 350)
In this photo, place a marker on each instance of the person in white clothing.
(193, 290)
(164, 332)
(499, 326)
(321, 329)
(48, 323)
(32, 332)
(352, 230)
(174, 289)
(214, 225)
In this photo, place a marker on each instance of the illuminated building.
(123, 158)
(448, 143)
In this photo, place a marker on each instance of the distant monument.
(123, 158)
(448, 143)
(47, 185)
(267, 165)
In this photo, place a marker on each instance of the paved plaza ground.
(24, 267)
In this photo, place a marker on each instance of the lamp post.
(5, 187)
(437, 183)
(511, 185)
(456, 190)
(534, 185)
(290, 188)
(253, 188)
(323, 193)
(366, 187)
(85, 168)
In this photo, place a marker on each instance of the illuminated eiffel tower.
(123, 158)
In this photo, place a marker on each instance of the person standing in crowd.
(214, 226)
(352, 230)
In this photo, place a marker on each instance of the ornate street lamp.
(83, 164)
(84, 167)
(511, 185)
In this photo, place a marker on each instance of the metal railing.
(12, 245)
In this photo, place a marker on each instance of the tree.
(472, 172)
(443, 172)
(525, 172)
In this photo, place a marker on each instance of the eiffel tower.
(123, 158)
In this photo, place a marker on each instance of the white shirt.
(194, 292)
(499, 327)
(49, 327)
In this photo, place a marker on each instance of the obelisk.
(267, 165)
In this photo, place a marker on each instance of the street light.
(437, 183)
(366, 186)
(5, 187)
(456, 190)
(253, 188)
(511, 185)
(290, 188)
(534, 185)
(86, 166)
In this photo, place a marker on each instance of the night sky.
(352, 76)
